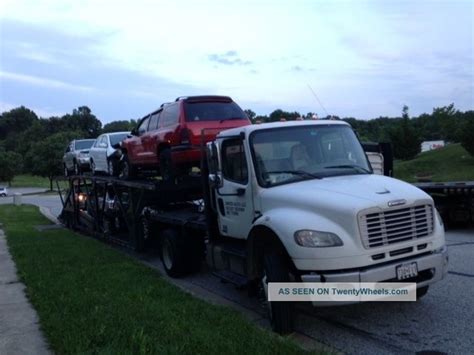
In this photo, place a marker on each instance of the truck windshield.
(291, 154)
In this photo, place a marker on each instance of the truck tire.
(173, 254)
(181, 254)
(127, 170)
(276, 270)
(420, 292)
(167, 170)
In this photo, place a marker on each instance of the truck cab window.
(234, 163)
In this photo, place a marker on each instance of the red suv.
(169, 139)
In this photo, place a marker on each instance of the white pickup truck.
(302, 198)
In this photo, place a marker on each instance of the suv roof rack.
(205, 98)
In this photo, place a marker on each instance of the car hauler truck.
(277, 202)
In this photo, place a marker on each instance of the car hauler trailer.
(274, 202)
(454, 200)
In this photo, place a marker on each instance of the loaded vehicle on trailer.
(102, 152)
(169, 139)
(275, 202)
(76, 157)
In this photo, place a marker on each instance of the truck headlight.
(317, 239)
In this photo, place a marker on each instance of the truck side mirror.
(134, 132)
(215, 180)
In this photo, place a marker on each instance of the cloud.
(228, 58)
(371, 53)
(44, 82)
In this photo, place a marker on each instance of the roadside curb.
(35, 193)
(19, 323)
(47, 213)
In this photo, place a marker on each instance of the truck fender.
(261, 237)
(280, 224)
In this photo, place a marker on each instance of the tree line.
(34, 145)
(405, 133)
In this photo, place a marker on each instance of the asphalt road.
(50, 201)
(441, 321)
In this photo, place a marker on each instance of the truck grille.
(396, 226)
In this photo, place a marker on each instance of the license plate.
(405, 271)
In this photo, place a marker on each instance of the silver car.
(76, 157)
(102, 152)
(3, 191)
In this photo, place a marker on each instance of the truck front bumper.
(431, 268)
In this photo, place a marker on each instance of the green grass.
(451, 163)
(30, 181)
(93, 299)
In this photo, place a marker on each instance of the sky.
(362, 59)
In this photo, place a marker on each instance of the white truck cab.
(304, 199)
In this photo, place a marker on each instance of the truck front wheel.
(276, 270)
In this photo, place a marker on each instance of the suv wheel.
(127, 171)
(93, 167)
(166, 166)
(77, 170)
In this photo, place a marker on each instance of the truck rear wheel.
(173, 253)
(181, 254)
(276, 270)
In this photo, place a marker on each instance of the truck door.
(234, 196)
